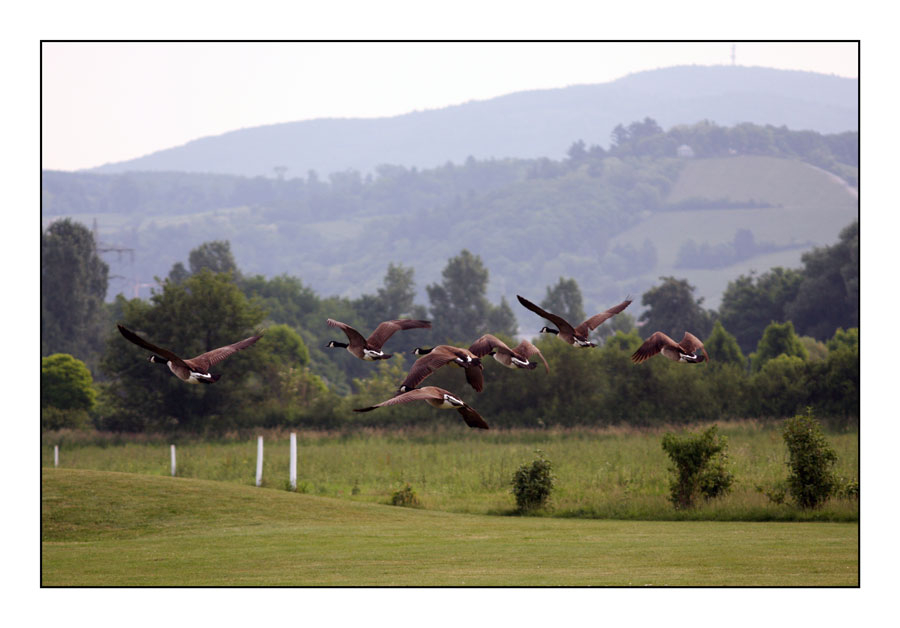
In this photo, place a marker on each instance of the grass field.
(116, 529)
(605, 473)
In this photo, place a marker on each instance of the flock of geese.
(196, 370)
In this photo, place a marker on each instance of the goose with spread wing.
(576, 336)
(192, 370)
(690, 349)
(516, 358)
(370, 348)
(437, 397)
(436, 357)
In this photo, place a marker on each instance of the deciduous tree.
(673, 310)
(73, 287)
(460, 311)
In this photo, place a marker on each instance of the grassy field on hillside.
(114, 529)
(808, 205)
(615, 473)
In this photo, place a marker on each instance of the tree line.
(780, 342)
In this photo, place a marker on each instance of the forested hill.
(531, 124)
(749, 197)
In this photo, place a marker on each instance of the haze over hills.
(530, 124)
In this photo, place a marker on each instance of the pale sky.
(107, 102)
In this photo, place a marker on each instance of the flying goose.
(193, 370)
(370, 348)
(489, 344)
(437, 397)
(436, 357)
(688, 350)
(577, 336)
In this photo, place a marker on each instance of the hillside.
(615, 230)
(531, 124)
(806, 207)
(117, 529)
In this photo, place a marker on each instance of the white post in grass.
(173, 460)
(259, 460)
(56, 455)
(293, 461)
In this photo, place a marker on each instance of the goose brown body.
(490, 345)
(577, 336)
(441, 355)
(690, 349)
(437, 397)
(370, 348)
(191, 370)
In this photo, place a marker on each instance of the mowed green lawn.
(101, 528)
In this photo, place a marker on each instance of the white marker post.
(56, 455)
(293, 461)
(259, 460)
(173, 461)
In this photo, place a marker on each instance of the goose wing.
(386, 329)
(475, 377)
(559, 321)
(590, 324)
(472, 418)
(488, 343)
(163, 353)
(690, 343)
(428, 392)
(205, 360)
(526, 350)
(653, 345)
(355, 338)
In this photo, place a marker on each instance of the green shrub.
(776, 493)
(66, 383)
(699, 465)
(848, 489)
(532, 483)
(811, 481)
(406, 496)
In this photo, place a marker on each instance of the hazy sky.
(106, 102)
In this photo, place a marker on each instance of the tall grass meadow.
(611, 472)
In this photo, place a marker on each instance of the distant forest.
(395, 188)
(780, 341)
(526, 217)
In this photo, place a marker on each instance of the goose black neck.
(335, 343)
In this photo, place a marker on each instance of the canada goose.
(436, 357)
(512, 358)
(193, 370)
(688, 350)
(370, 348)
(437, 397)
(577, 336)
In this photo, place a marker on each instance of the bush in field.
(532, 483)
(406, 496)
(699, 464)
(811, 481)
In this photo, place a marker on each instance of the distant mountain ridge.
(528, 124)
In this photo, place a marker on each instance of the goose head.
(335, 343)
(421, 351)
(548, 330)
